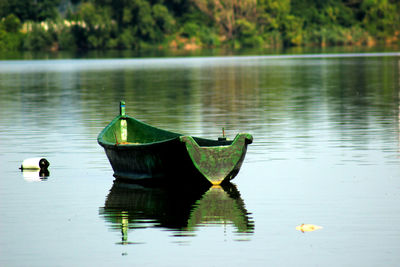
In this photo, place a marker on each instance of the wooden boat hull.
(166, 159)
(140, 152)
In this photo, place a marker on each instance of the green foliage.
(127, 39)
(321, 12)
(164, 20)
(247, 34)
(205, 35)
(33, 10)
(292, 29)
(66, 39)
(272, 39)
(11, 23)
(39, 38)
(227, 13)
(10, 37)
(96, 28)
(190, 29)
(136, 24)
(381, 17)
(272, 14)
(147, 23)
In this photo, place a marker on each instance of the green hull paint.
(140, 152)
(218, 163)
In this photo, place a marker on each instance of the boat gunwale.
(104, 143)
(178, 136)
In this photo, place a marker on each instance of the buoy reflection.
(35, 175)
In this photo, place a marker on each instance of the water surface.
(325, 152)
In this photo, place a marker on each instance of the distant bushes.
(136, 24)
(10, 35)
(337, 35)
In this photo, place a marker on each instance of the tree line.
(191, 24)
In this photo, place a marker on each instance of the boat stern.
(218, 163)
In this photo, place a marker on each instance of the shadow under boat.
(134, 206)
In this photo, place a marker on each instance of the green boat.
(140, 152)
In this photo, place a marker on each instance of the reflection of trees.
(131, 206)
(199, 96)
(361, 92)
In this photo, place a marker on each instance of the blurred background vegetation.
(52, 25)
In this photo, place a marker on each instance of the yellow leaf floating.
(308, 227)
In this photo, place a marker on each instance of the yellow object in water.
(308, 227)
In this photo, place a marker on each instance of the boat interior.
(126, 130)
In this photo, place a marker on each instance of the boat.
(140, 152)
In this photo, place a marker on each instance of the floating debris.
(308, 227)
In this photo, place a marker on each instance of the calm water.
(326, 151)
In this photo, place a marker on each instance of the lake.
(326, 152)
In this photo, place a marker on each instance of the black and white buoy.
(35, 169)
(35, 164)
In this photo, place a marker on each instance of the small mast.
(122, 108)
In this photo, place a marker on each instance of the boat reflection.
(132, 206)
(221, 205)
